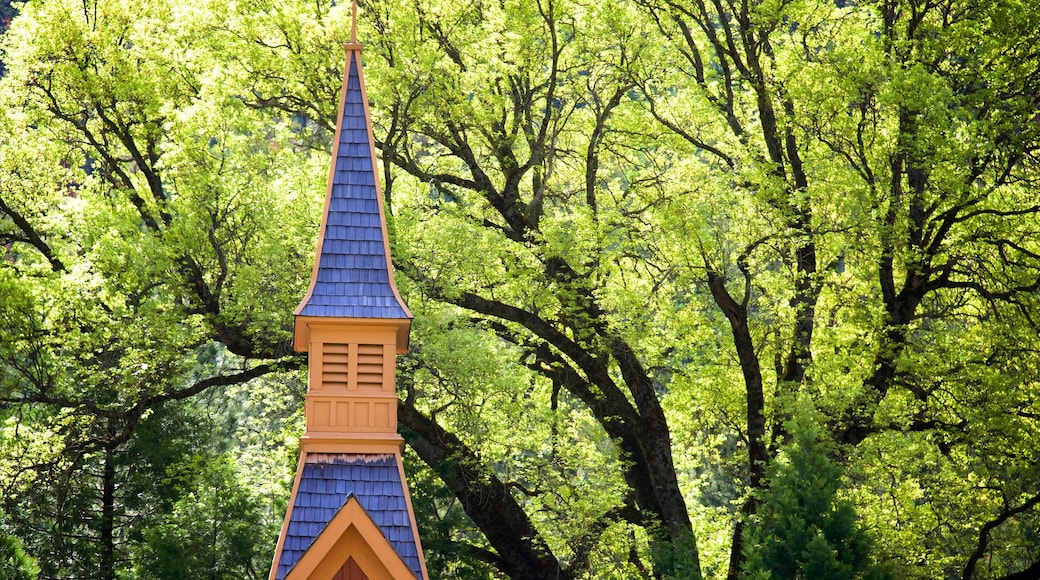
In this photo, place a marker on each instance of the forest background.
(702, 289)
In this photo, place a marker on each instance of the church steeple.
(350, 513)
(352, 275)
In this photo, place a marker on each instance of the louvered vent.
(335, 368)
(370, 367)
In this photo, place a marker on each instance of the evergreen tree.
(15, 564)
(803, 529)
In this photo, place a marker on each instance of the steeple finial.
(353, 22)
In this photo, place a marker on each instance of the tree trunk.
(107, 528)
(487, 500)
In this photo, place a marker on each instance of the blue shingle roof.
(327, 482)
(353, 276)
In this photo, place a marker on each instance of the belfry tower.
(350, 514)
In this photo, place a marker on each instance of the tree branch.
(983, 543)
(32, 236)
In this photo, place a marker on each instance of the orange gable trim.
(351, 535)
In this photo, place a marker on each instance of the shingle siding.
(327, 482)
(353, 279)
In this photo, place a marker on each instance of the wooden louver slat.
(335, 367)
(370, 360)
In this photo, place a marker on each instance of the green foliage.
(146, 240)
(803, 528)
(15, 564)
(451, 542)
(677, 562)
(213, 530)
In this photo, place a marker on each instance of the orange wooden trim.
(389, 368)
(315, 363)
(351, 533)
(288, 514)
(349, 414)
(411, 515)
(356, 330)
(370, 396)
(341, 329)
(353, 22)
(352, 366)
(388, 443)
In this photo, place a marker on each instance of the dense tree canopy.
(649, 245)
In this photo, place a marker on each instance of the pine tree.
(15, 564)
(803, 529)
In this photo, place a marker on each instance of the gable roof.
(327, 483)
(352, 276)
(358, 552)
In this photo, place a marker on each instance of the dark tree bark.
(106, 531)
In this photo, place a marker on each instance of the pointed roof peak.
(331, 483)
(353, 276)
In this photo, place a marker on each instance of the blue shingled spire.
(353, 278)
